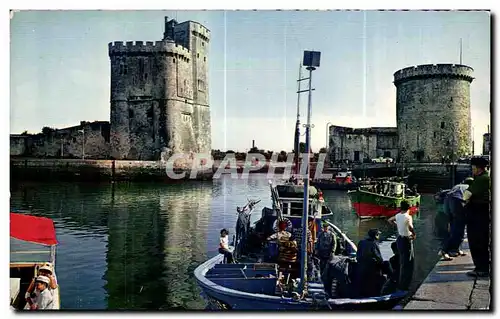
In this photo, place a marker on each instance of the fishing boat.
(260, 280)
(256, 281)
(343, 180)
(383, 199)
(32, 244)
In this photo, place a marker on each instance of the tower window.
(204, 59)
(145, 76)
(130, 113)
(173, 60)
(141, 66)
(202, 43)
(442, 124)
(197, 55)
(406, 126)
(435, 134)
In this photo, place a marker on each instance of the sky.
(60, 70)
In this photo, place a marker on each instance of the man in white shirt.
(404, 241)
(224, 246)
(45, 299)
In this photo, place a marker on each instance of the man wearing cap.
(454, 208)
(325, 246)
(369, 271)
(45, 299)
(46, 271)
(478, 210)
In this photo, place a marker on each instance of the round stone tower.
(433, 111)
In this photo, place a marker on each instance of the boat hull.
(371, 205)
(222, 298)
(334, 186)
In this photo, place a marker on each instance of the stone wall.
(65, 143)
(18, 144)
(99, 170)
(433, 111)
(355, 144)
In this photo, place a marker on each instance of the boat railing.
(386, 196)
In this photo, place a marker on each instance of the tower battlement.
(434, 70)
(160, 94)
(147, 48)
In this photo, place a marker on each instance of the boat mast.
(311, 60)
(297, 124)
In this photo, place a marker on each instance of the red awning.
(33, 229)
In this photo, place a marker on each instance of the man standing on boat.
(369, 272)
(325, 246)
(478, 210)
(454, 208)
(404, 241)
(224, 246)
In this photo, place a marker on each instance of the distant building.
(486, 144)
(89, 138)
(357, 144)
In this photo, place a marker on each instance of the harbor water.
(135, 246)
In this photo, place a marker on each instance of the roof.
(295, 191)
(39, 230)
(26, 252)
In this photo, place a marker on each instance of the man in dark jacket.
(325, 246)
(369, 269)
(478, 215)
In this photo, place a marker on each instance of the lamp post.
(472, 142)
(310, 61)
(83, 142)
(62, 147)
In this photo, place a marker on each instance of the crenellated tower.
(159, 94)
(433, 111)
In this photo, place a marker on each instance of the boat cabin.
(387, 188)
(290, 199)
(32, 244)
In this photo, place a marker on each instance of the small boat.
(253, 283)
(339, 182)
(383, 199)
(32, 244)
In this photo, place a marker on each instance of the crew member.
(406, 235)
(325, 246)
(369, 271)
(478, 210)
(224, 246)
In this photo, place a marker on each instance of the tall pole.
(460, 50)
(83, 142)
(305, 214)
(473, 148)
(327, 146)
(297, 125)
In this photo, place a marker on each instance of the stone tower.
(159, 94)
(433, 111)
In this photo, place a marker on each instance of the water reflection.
(135, 246)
